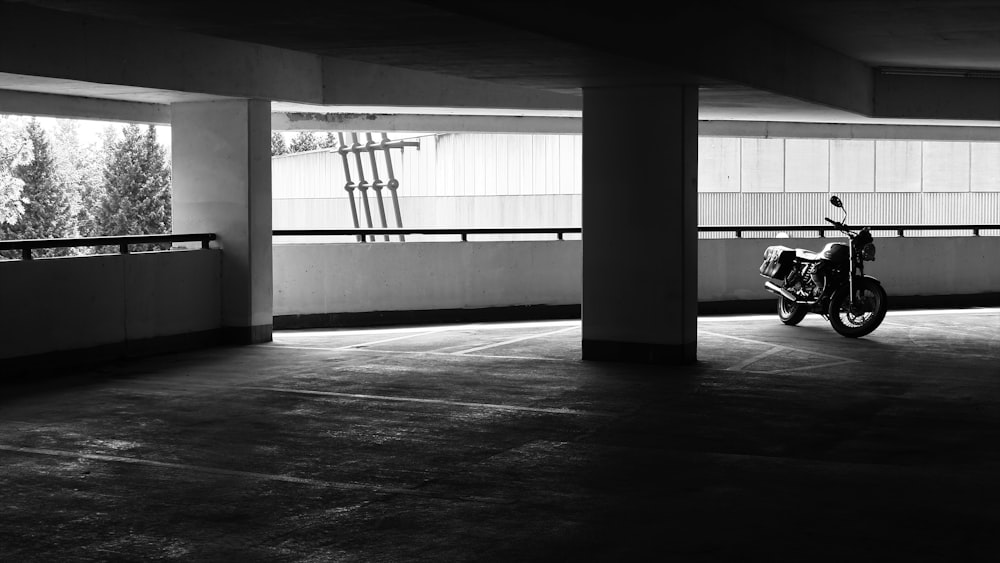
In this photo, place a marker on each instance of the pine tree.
(46, 205)
(92, 193)
(278, 144)
(329, 141)
(136, 185)
(78, 171)
(303, 141)
(13, 151)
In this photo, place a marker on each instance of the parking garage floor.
(494, 442)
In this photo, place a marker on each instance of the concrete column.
(640, 224)
(222, 184)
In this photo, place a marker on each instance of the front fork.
(850, 279)
(857, 270)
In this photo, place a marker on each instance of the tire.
(790, 313)
(871, 304)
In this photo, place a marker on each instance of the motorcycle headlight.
(868, 252)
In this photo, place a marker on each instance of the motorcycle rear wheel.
(790, 312)
(870, 305)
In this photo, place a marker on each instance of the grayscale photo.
(449, 281)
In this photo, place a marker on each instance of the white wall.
(735, 164)
(484, 180)
(480, 180)
(74, 303)
(728, 269)
(359, 277)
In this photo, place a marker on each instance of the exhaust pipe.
(770, 286)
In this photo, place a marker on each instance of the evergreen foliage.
(278, 146)
(46, 206)
(92, 193)
(78, 172)
(136, 197)
(303, 141)
(329, 141)
(14, 150)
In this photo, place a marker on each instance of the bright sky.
(90, 130)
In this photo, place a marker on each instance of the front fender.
(867, 277)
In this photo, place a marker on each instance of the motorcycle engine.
(801, 281)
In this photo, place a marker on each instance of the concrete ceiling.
(563, 46)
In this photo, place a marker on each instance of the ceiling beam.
(915, 94)
(291, 121)
(875, 131)
(77, 107)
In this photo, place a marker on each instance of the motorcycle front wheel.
(790, 312)
(867, 312)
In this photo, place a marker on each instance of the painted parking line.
(371, 487)
(312, 332)
(757, 358)
(490, 406)
(808, 367)
(418, 353)
(935, 312)
(936, 328)
(776, 348)
(514, 340)
(394, 339)
(810, 352)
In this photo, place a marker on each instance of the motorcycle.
(831, 283)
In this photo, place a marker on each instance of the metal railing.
(368, 235)
(364, 234)
(821, 230)
(122, 242)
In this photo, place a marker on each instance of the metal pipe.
(770, 286)
(349, 186)
(393, 184)
(362, 183)
(377, 184)
(385, 143)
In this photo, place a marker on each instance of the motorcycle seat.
(808, 255)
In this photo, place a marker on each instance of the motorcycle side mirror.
(836, 202)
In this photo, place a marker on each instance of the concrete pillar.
(640, 224)
(222, 184)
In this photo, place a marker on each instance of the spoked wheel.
(867, 312)
(790, 312)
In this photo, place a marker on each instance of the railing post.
(123, 248)
(975, 232)
(899, 233)
(205, 244)
(26, 254)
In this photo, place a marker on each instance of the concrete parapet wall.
(925, 266)
(411, 276)
(117, 302)
(62, 304)
(313, 279)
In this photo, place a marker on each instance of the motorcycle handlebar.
(832, 222)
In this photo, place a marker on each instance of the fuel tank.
(835, 252)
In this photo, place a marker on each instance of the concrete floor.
(493, 442)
